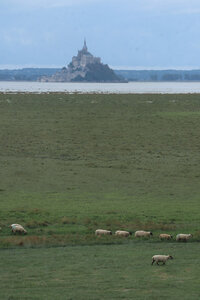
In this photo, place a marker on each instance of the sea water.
(116, 88)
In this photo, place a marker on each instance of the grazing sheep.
(17, 228)
(123, 233)
(161, 258)
(142, 233)
(103, 232)
(165, 236)
(13, 225)
(183, 237)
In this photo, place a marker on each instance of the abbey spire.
(85, 46)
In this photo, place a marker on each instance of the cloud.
(16, 35)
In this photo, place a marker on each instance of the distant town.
(85, 67)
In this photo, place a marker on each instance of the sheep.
(165, 236)
(160, 258)
(123, 233)
(183, 237)
(17, 228)
(13, 226)
(142, 233)
(103, 232)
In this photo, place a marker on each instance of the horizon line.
(117, 68)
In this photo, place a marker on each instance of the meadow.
(100, 272)
(73, 163)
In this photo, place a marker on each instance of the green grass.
(100, 272)
(73, 163)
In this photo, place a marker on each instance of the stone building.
(84, 68)
(84, 58)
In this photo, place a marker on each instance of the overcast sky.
(132, 34)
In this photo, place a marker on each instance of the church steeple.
(85, 46)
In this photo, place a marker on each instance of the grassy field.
(100, 272)
(73, 163)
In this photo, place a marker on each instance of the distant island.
(84, 68)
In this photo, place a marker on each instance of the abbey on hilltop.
(84, 68)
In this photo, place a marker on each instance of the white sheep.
(17, 228)
(142, 233)
(161, 258)
(13, 225)
(103, 232)
(123, 233)
(183, 237)
(165, 236)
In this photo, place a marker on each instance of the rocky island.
(84, 68)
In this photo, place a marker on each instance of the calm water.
(119, 88)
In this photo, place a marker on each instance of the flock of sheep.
(17, 228)
(141, 233)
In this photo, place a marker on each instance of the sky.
(126, 34)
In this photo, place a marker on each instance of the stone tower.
(85, 46)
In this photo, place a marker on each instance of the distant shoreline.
(34, 74)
